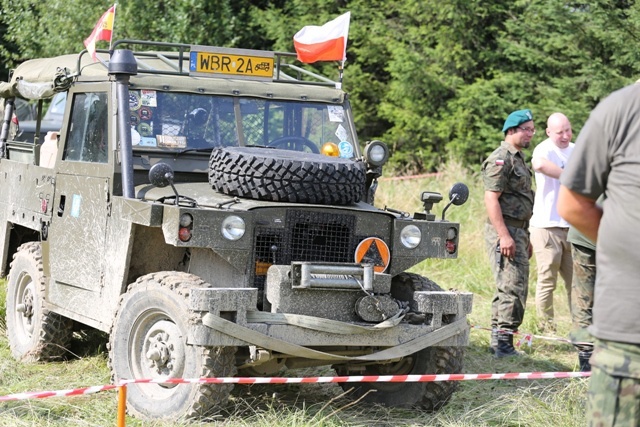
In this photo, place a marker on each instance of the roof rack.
(173, 59)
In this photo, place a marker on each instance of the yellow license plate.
(232, 65)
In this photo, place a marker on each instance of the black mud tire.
(427, 396)
(153, 315)
(35, 334)
(286, 176)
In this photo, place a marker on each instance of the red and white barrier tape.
(59, 393)
(528, 337)
(405, 177)
(302, 380)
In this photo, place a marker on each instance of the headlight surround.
(233, 227)
(410, 236)
(376, 153)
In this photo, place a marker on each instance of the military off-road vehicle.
(212, 210)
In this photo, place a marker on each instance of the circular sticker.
(145, 113)
(373, 250)
(346, 149)
(145, 129)
(134, 119)
(134, 101)
(135, 136)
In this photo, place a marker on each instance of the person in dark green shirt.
(508, 199)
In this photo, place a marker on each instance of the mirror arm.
(454, 197)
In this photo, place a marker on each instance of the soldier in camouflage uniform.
(614, 390)
(606, 161)
(509, 201)
(583, 252)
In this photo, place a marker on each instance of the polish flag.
(325, 43)
(102, 31)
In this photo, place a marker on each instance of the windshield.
(191, 122)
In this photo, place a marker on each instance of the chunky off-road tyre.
(35, 333)
(148, 340)
(286, 176)
(428, 396)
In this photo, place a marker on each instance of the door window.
(87, 138)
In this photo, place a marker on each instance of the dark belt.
(519, 223)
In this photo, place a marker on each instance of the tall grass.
(546, 403)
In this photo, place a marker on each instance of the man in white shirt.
(548, 230)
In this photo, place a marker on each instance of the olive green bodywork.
(95, 241)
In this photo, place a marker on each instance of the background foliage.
(433, 78)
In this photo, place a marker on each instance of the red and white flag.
(102, 31)
(325, 43)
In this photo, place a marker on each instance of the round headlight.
(376, 153)
(410, 236)
(233, 227)
(452, 233)
(186, 220)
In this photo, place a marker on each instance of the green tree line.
(434, 79)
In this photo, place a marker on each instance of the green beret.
(517, 118)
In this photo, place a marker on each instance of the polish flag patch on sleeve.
(499, 162)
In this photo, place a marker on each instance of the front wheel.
(149, 341)
(429, 396)
(35, 333)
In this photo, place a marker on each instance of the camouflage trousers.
(614, 388)
(512, 279)
(582, 287)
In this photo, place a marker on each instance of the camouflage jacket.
(506, 171)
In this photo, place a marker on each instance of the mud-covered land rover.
(212, 211)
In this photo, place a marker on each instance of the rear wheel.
(34, 332)
(429, 396)
(149, 340)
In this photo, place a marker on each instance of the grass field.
(553, 403)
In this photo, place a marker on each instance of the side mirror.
(458, 194)
(161, 175)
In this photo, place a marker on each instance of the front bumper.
(310, 316)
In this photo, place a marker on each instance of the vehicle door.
(77, 233)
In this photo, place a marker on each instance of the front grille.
(320, 237)
(307, 236)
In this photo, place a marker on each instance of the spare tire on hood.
(286, 176)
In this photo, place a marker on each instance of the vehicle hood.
(206, 197)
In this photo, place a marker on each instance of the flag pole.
(340, 74)
(115, 8)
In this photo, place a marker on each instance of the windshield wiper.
(194, 150)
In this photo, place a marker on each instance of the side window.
(87, 138)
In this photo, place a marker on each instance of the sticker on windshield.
(145, 129)
(342, 133)
(346, 149)
(148, 98)
(135, 136)
(171, 141)
(134, 101)
(148, 142)
(145, 113)
(336, 113)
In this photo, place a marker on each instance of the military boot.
(505, 346)
(583, 359)
(493, 343)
